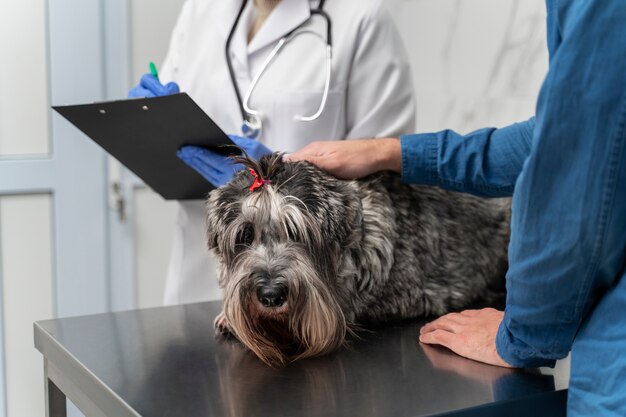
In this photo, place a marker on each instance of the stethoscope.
(252, 124)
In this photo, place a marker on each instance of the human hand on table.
(216, 168)
(446, 360)
(470, 333)
(351, 159)
(150, 86)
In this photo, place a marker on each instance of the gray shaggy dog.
(305, 258)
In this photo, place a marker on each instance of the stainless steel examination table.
(167, 362)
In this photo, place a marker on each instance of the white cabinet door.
(53, 205)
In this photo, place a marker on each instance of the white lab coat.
(371, 94)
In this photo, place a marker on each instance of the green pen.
(153, 70)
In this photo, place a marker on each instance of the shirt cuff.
(419, 159)
(516, 353)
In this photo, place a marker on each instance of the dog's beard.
(310, 323)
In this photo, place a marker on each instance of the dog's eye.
(245, 237)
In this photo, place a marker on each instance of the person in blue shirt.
(566, 171)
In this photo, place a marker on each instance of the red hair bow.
(258, 181)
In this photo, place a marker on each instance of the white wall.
(476, 63)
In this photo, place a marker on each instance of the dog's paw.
(221, 324)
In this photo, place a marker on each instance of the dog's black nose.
(272, 295)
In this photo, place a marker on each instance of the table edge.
(80, 376)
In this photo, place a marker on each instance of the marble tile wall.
(476, 63)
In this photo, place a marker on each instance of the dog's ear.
(223, 207)
(335, 204)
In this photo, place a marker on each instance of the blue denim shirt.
(566, 170)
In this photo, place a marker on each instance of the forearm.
(387, 155)
(486, 162)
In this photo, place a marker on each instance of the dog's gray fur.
(350, 252)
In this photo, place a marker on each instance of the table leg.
(55, 401)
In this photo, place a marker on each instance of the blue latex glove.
(149, 86)
(216, 168)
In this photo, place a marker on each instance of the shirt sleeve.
(486, 162)
(380, 98)
(569, 208)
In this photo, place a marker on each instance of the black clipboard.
(144, 135)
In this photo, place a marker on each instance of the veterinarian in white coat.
(370, 94)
